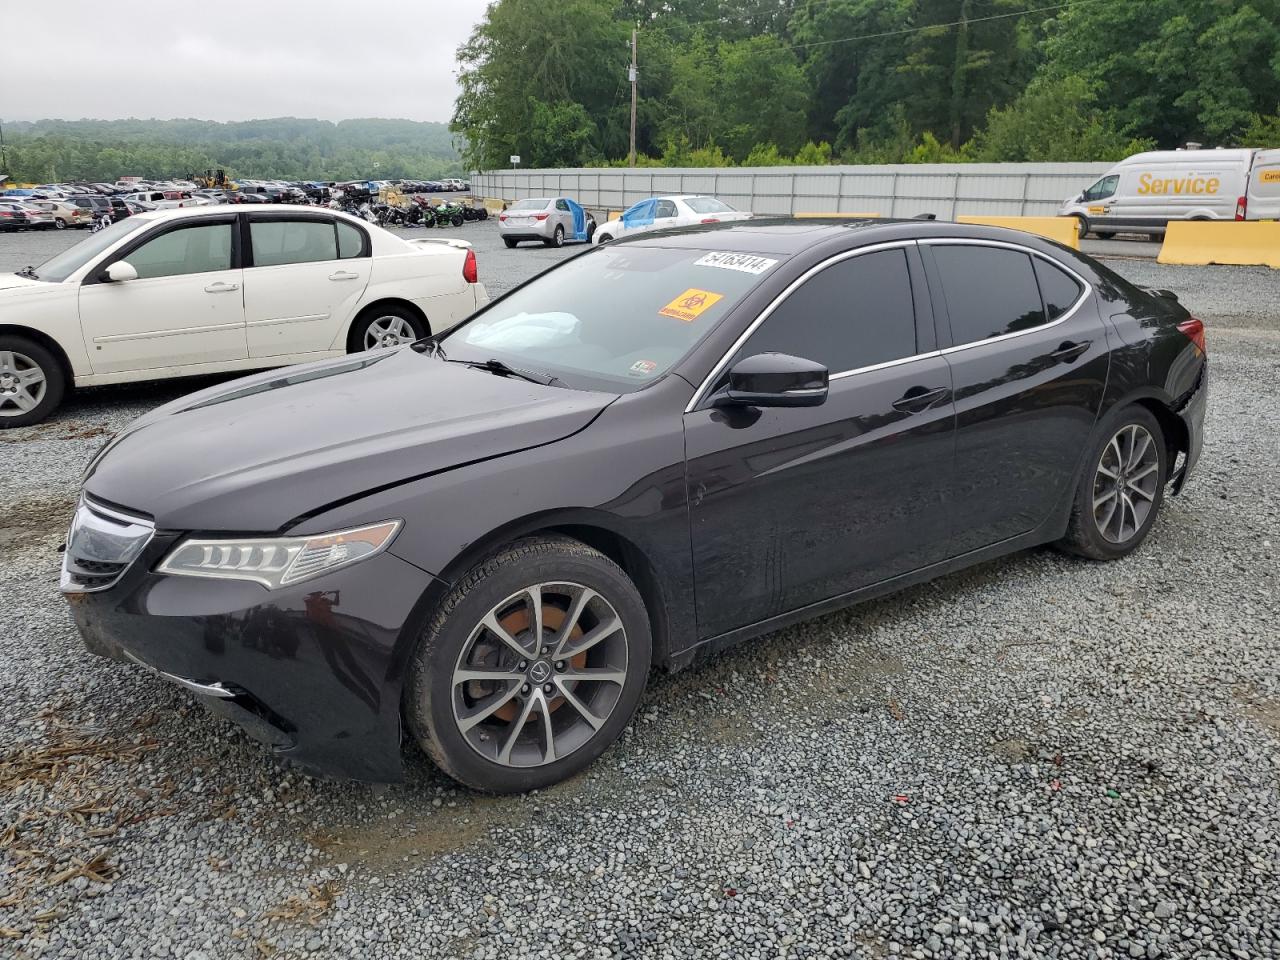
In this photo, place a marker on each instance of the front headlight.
(278, 561)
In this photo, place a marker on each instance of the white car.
(658, 213)
(172, 293)
(157, 199)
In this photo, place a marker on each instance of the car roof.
(180, 213)
(785, 236)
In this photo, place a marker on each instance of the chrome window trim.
(1086, 289)
(1067, 314)
(701, 393)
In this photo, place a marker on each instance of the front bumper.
(314, 671)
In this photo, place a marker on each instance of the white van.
(1142, 193)
(1264, 186)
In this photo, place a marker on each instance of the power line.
(937, 26)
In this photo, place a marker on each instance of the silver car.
(553, 220)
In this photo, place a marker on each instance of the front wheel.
(1082, 227)
(381, 328)
(31, 382)
(1121, 489)
(530, 668)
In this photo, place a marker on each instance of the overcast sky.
(235, 59)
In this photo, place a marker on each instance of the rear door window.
(278, 242)
(990, 291)
(855, 313)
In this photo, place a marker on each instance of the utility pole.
(631, 157)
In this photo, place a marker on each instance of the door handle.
(1069, 351)
(918, 399)
(344, 275)
(221, 287)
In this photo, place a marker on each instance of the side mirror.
(775, 380)
(120, 271)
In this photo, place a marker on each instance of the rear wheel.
(509, 242)
(32, 383)
(531, 667)
(59, 224)
(382, 327)
(605, 238)
(557, 237)
(1122, 488)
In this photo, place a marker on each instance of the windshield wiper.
(496, 366)
(28, 272)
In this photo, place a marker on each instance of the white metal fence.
(898, 190)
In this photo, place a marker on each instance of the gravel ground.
(1036, 757)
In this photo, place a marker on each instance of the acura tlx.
(483, 541)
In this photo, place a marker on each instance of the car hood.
(258, 453)
(11, 281)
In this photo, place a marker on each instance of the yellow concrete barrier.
(843, 216)
(493, 205)
(1065, 230)
(1201, 242)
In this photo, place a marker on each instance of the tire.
(557, 237)
(32, 382)
(604, 238)
(1082, 227)
(381, 327)
(59, 224)
(510, 243)
(456, 639)
(1099, 533)
(456, 219)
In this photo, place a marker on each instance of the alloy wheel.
(1126, 483)
(388, 331)
(22, 384)
(540, 674)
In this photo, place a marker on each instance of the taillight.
(1194, 331)
(502, 217)
(1242, 205)
(541, 216)
(710, 220)
(470, 270)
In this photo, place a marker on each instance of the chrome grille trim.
(102, 543)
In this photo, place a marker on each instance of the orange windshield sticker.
(691, 304)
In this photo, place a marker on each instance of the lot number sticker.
(742, 262)
(691, 304)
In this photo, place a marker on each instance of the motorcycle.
(449, 213)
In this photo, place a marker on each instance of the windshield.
(614, 319)
(708, 205)
(57, 268)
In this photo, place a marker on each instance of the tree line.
(286, 148)
(763, 82)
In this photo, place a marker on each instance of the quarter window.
(202, 248)
(292, 241)
(855, 313)
(1058, 289)
(350, 241)
(990, 291)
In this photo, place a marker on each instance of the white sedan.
(658, 213)
(172, 293)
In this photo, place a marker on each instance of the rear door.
(1029, 360)
(1264, 186)
(792, 506)
(303, 277)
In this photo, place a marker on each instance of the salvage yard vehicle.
(647, 453)
(552, 220)
(64, 213)
(1143, 193)
(22, 215)
(171, 293)
(660, 213)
